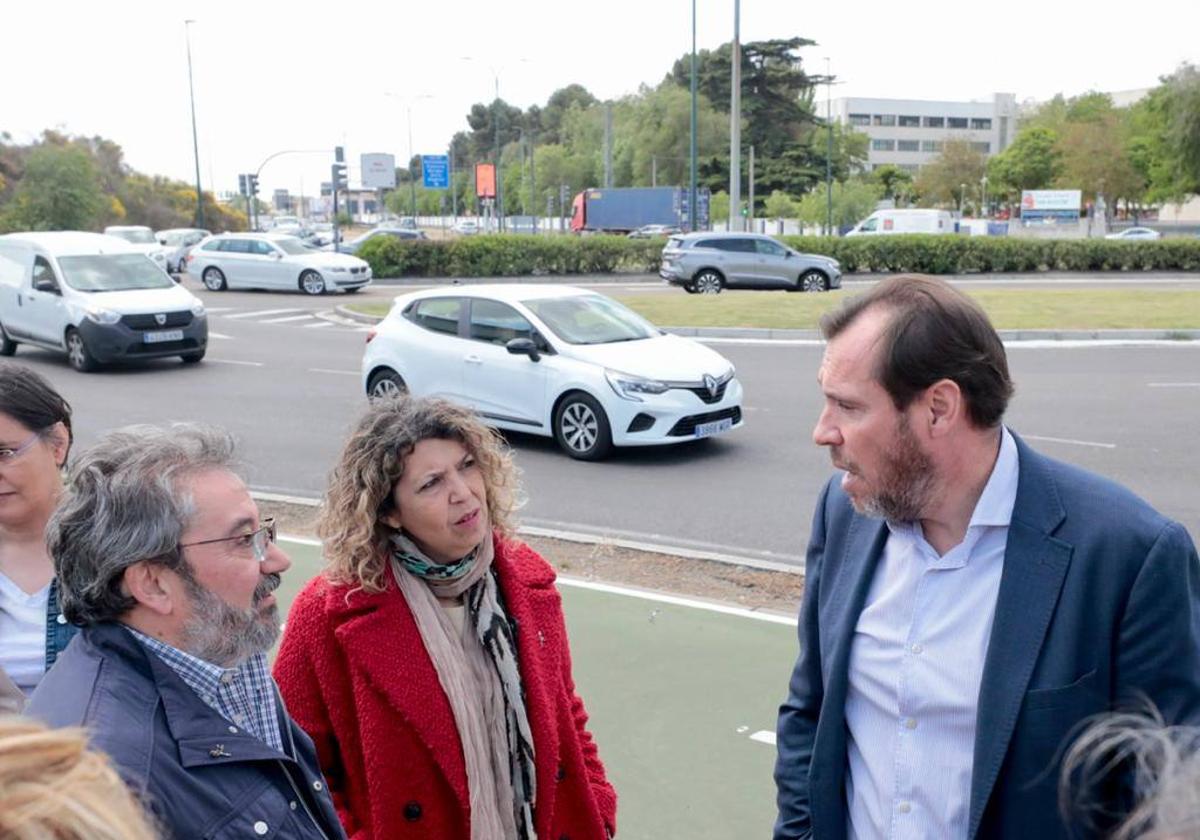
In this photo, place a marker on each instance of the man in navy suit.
(969, 603)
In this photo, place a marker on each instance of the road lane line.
(1071, 441)
(219, 308)
(764, 737)
(1174, 384)
(287, 318)
(318, 326)
(219, 335)
(263, 312)
(339, 372)
(233, 362)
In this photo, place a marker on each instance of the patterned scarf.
(490, 648)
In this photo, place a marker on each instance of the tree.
(1182, 107)
(942, 180)
(559, 103)
(60, 190)
(718, 207)
(1096, 161)
(852, 201)
(1032, 162)
(891, 180)
(780, 205)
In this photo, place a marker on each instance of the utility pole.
(533, 182)
(828, 150)
(735, 123)
(608, 176)
(750, 203)
(654, 170)
(412, 181)
(496, 140)
(692, 162)
(187, 26)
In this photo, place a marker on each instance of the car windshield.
(591, 319)
(113, 273)
(138, 237)
(292, 246)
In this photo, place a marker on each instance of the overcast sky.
(273, 76)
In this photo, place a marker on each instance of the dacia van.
(96, 298)
(906, 220)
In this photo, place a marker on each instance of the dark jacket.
(199, 775)
(58, 634)
(1098, 608)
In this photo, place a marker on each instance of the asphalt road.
(287, 384)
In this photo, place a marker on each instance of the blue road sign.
(436, 171)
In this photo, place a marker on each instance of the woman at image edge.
(429, 662)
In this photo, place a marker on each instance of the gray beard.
(906, 484)
(223, 635)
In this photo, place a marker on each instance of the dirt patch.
(752, 589)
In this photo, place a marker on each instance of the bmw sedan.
(273, 261)
(556, 361)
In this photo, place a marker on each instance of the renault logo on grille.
(160, 318)
(710, 382)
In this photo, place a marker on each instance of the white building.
(911, 132)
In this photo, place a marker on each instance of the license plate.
(162, 335)
(713, 428)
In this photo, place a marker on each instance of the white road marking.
(339, 372)
(219, 308)
(764, 737)
(219, 335)
(1071, 441)
(317, 326)
(288, 318)
(233, 362)
(258, 312)
(786, 342)
(1174, 384)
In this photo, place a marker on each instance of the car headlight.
(101, 315)
(198, 307)
(631, 387)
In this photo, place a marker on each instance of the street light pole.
(496, 141)
(412, 181)
(187, 27)
(735, 123)
(692, 180)
(828, 150)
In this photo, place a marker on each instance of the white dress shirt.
(916, 662)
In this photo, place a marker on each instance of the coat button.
(561, 773)
(318, 787)
(261, 828)
(412, 811)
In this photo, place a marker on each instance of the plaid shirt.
(244, 695)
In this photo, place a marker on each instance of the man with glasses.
(165, 563)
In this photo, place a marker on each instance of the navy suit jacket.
(1098, 608)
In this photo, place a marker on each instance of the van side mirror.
(523, 347)
(46, 284)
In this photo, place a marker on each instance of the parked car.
(96, 298)
(407, 223)
(1135, 233)
(354, 245)
(653, 232)
(466, 227)
(273, 261)
(709, 262)
(553, 360)
(142, 238)
(904, 220)
(177, 242)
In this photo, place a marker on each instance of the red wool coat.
(355, 676)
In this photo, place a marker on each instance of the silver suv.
(709, 262)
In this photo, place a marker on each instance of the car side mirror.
(45, 284)
(523, 346)
(275, 255)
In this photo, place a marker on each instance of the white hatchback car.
(273, 261)
(555, 361)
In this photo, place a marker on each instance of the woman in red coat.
(429, 662)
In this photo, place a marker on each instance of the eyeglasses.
(10, 454)
(257, 540)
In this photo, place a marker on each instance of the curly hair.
(53, 786)
(372, 461)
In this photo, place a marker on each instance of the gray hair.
(1163, 763)
(127, 503)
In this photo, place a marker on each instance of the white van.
(141, 238)
(95, 297)
(888, 222)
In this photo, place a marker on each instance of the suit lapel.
(1035, 566)
(382, 642)
(850, 574)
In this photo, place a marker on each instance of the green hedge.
(964, 254)
(513, 255)
(510, 255)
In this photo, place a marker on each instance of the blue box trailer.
(625, 209)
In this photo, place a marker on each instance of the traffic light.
(339, 154)
(242, 185)
(339, 176)
(252, 184)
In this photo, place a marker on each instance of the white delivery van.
(97, 298)
(141, 238)
(909, 220)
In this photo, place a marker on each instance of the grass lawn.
(1066, 309)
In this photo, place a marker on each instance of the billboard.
(1049, 204)
(485, 180)
(379, 171)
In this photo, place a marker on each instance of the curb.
(760, 334)
(592, 539)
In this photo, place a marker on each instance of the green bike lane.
(682, 700)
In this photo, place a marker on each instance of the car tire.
(213, 279)
(690, 288)
(7, 345)
(708, 282)
(312, 283)
(581, 427)
(385, 384)
(193, 358)
(78, 354)
(813, 280)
